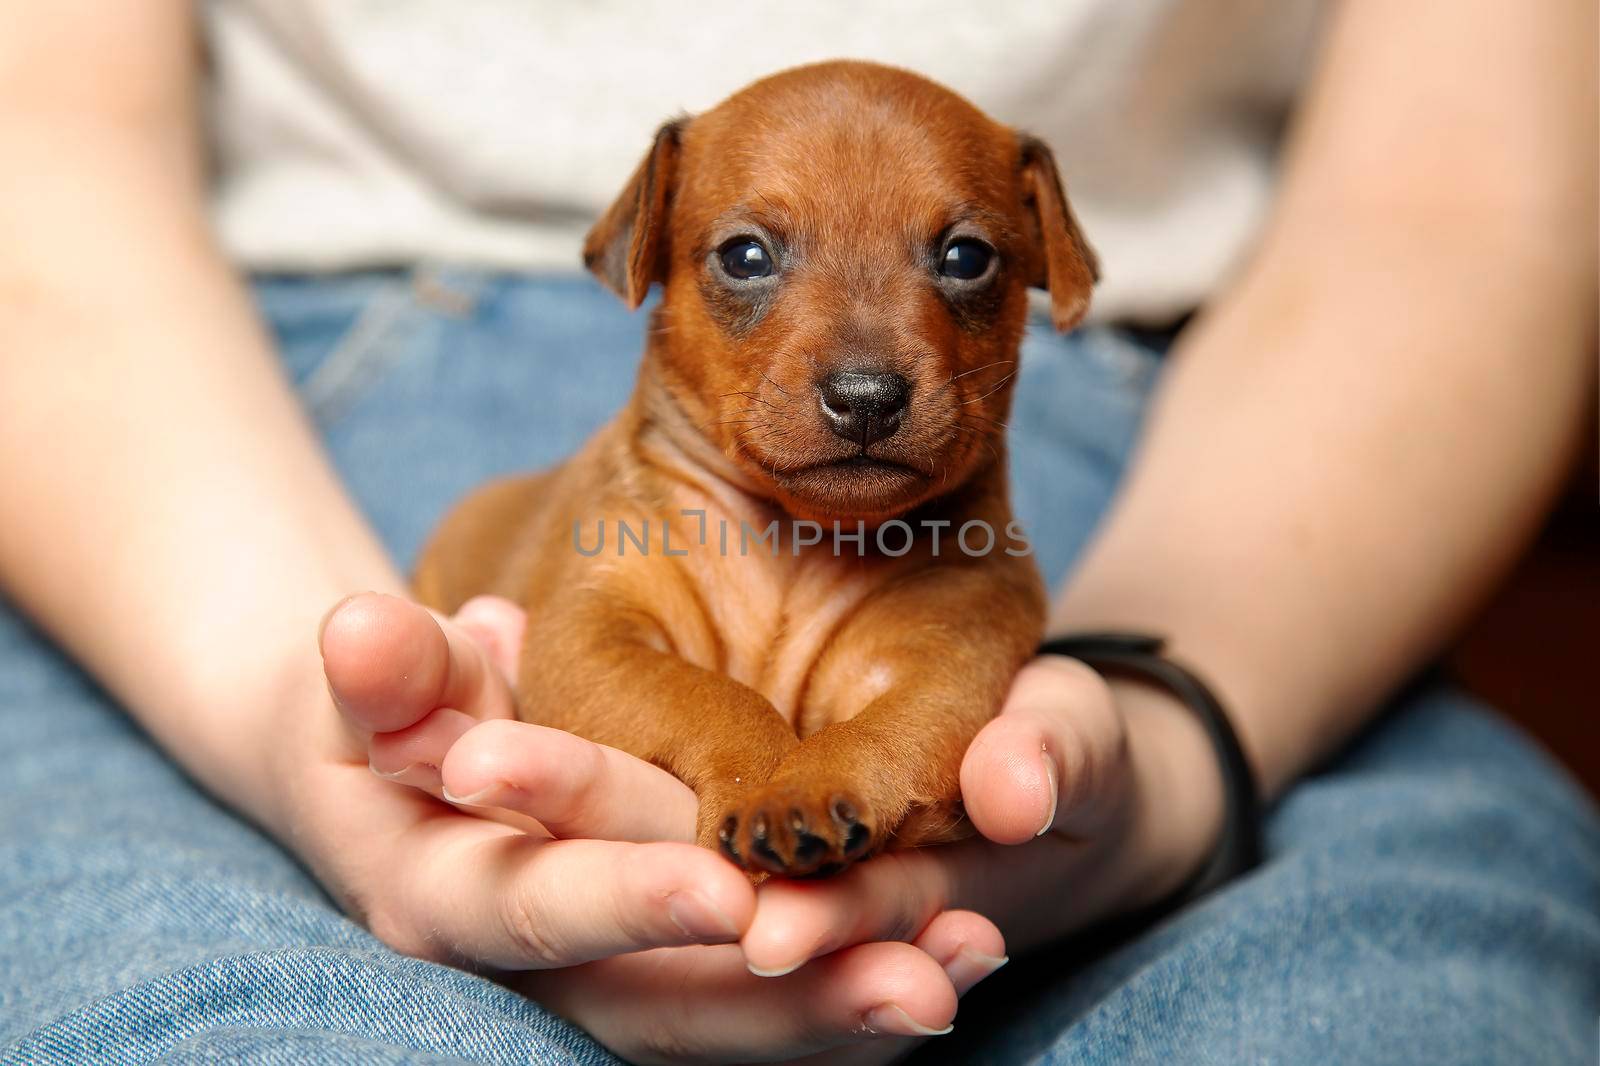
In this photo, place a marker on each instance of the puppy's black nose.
(864, 408)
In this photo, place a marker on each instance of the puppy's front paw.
(794, 830)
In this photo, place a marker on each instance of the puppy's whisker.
(977, 369)
(980, 435)
(775, 385)
(997, 387)
(729, 422)
(750, 396)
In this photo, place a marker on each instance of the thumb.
(1054, 758)
(390, 662)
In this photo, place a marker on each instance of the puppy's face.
(845, 251)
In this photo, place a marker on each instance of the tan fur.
(819, 705)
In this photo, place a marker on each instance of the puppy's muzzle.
(864, 408)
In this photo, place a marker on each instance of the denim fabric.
(1432, 896)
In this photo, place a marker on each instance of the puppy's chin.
(820, 480)
(847, 490)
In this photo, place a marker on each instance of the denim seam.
(361, 356)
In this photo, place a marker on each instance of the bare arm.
(1358, 439)
(168, 514)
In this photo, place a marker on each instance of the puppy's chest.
(765, 611)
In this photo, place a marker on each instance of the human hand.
(573, 862)
(1093, 800)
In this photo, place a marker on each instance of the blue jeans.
(1433, 895)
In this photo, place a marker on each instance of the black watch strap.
(1140, 655)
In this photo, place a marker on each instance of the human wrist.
(1178, 796)
(1116, 592)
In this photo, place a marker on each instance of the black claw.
(856, 839)
(761, 850)
(856, 835)
(809, 849)
(726, 836)
(762, 854)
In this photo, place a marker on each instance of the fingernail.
(322, 626)
(417, 774)
(697, 915)
(471, 799)
(969, 967)
(1050, 781)
(890, 1018)
(820, 946)
(393, 775)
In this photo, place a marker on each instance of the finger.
(414, 756)
(571, 786)
(390, 662)
(497, 625)
(701, 1007)
(968, 946)
(471, 889)
(1052, 759)
(892, 897)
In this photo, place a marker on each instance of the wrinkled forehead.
(851, 161)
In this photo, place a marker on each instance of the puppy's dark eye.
(965, 260)
(745, 259)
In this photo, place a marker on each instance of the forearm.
(168, 515)
(1317, 503)
(1358, 439)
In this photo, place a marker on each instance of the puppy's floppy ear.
(626, 249)
(1066, 265)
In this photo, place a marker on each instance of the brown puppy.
(845, 251)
